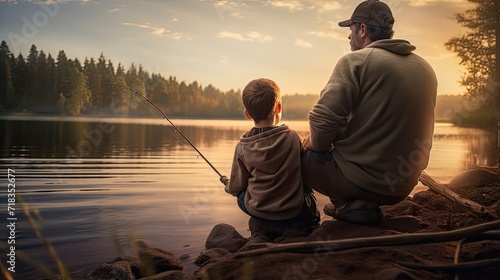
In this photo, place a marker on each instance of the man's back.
(390, 94)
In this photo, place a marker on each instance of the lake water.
(94, 185)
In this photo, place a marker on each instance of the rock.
(118, 270)
(155, 260)
(210, 255)
(150, 261)
(124, 267)
(429, 200)
(135, 265)
(405, 207)
(226, 237)
(185, 257)
(265, 231)
(474, 178)
(173, 275)
(396, 274)
(405, 223)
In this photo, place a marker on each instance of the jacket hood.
(397, 46)
(268, 150)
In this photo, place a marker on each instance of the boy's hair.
(260, 97)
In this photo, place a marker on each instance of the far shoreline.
(62, 117)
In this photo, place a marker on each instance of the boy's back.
(266, 163)
(266, 172)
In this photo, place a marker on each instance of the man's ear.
(247, 115)
(363, 30)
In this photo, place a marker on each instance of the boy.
(266, 170)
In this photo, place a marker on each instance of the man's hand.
(306, 143)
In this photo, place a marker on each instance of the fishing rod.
(153, 108)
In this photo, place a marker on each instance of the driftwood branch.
(362, 242)
(452, 267)
(467, 204)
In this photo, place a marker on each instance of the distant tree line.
(42, 84)
(449, 106)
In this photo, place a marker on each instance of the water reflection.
(458, 149)
(102, 182)
(106, 138)
(461, 148)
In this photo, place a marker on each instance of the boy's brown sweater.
(267, 166)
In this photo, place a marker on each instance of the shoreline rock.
(150, 261)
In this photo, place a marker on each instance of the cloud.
(300, 5)
(117, 8)
(418, 3)
(235, 15)
(179, 36)
(159, 31)
(223, 59)
(302, 43)
(155, 30)
(250, 36)
(52, 2)
(293, 5)
(232, 35)
(253, 35)
(228, 8)
(327, 6)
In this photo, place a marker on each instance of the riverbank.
(229, 256)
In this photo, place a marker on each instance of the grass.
(35, 221)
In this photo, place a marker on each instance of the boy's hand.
(225, 180)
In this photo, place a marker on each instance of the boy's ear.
(247, 115)
(277, 110)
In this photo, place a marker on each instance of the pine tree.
(94, 83)
(20, 81)
(74, 94)
(79, 93)
(41, 94)
(50, 89)
(63, 74)
(6, 85)
(173, 95)
(107, 75)
(32, 80)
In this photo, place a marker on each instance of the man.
(371, 129)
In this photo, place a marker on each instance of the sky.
(296, 43)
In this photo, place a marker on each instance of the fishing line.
(152, 108)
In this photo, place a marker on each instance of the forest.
(42, 84)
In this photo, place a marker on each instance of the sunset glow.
(225, 43)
